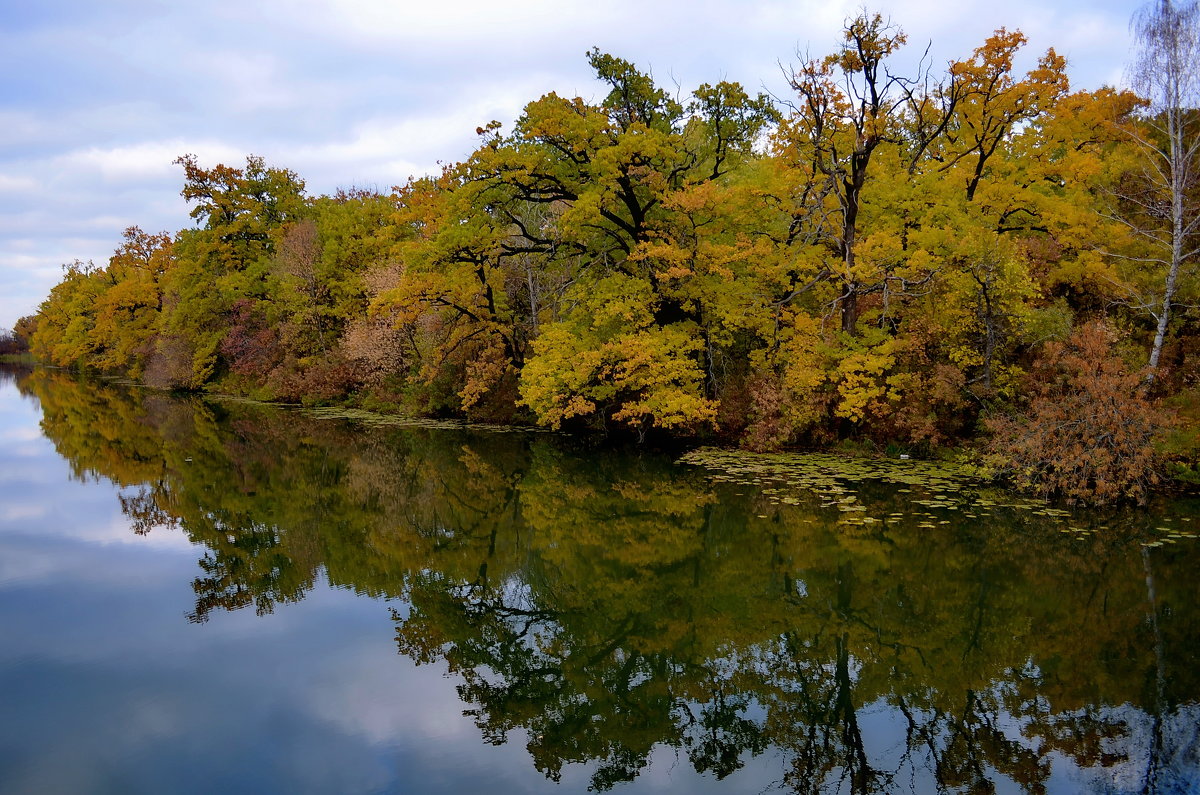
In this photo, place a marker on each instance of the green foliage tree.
(880, 258)
(619, 181)
(240, 214)
(67, 316)
(129, 312)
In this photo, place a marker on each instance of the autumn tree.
(24, 329)
(581, 195)
(1087, 435)
(855, 203)
(1161, 198)
(906, 197)
(641, 204)
(322, 259)
(240, 212)
(128, 314)
(66, 318)
(451, 295)
(848, 106)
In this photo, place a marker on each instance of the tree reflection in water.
(605, 604)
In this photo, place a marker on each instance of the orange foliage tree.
(1087, 434)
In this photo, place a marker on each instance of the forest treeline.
(970, 254)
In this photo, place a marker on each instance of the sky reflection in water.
(610, 616)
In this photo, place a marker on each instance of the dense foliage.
(882, 257)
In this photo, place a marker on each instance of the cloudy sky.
(97, 98)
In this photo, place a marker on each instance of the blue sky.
(97, 98)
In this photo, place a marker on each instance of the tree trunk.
(1178, 187)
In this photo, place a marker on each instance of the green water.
(593, 618)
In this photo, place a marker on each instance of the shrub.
(11, 344)
(1088, 431)
(169, 364)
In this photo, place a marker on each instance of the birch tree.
(1166, 71)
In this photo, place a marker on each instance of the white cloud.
(121, 164)
(383, 704)
(16, 184)
(21, 127)
(450, 26)
(19, 513)
(132, 163)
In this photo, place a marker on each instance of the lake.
(218, 596)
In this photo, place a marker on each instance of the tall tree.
(849, 105)
(611, 193)
(1166, 72)
(225, 260)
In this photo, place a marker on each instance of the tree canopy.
(876, 256)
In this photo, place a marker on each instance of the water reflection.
(600, 605)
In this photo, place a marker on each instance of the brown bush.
(251, 345)
(314, 381)
(932, 411)
(169, 364)
(1087, 434)
(768, 428)
(776, 418)
(11, 343)
(377, 349)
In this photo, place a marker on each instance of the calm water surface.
(220, 597)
